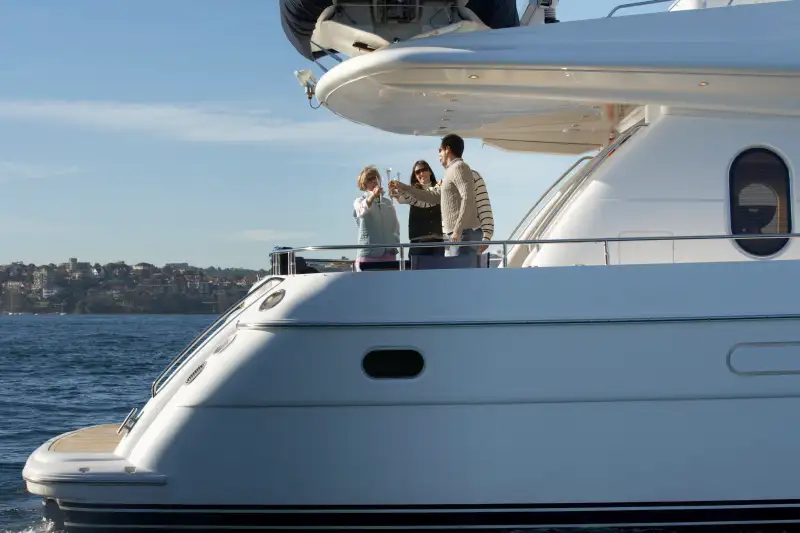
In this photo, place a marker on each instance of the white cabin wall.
(671, 178)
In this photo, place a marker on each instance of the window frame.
(739, 155)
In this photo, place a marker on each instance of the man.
(482, 202)
(456, 194)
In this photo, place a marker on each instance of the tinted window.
(760, 200)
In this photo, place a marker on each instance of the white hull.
(652, 410)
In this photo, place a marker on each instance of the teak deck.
(95, 439)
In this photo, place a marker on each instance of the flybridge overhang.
(568, 88)
(353, 27)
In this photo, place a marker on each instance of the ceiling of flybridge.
(353, 27)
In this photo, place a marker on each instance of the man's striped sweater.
(481, 201)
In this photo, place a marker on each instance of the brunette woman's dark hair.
(414, 181)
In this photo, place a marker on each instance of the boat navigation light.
(307, 80)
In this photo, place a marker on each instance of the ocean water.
(59, 373)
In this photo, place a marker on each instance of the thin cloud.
(188, 123)
(14, 225)
(14, 170)
(271, 235)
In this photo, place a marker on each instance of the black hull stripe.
(726, 527)
(440, 507)
(414, 520)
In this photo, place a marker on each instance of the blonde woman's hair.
(366, 174)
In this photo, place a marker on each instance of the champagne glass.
(388, 180)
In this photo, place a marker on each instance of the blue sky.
(175, 131)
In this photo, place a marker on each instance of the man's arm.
(406, 199)
(432, 196)
(484, 207)
(465, 184)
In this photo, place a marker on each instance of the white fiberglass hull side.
(624, 395)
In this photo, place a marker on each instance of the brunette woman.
(424, 220)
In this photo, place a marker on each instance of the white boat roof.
(545, 88)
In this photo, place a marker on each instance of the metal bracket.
(129, 421)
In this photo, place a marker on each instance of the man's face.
(443, 155)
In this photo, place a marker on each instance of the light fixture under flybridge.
(309, 83)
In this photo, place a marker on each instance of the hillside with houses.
(114, 288)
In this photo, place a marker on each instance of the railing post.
(505, 255)
(636, 4)
(403, 257)
(605, 252)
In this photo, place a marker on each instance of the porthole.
(393, 364)
(224, 344)
(266, 286)
(760, 200)
(272, 300)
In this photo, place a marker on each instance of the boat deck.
(95, 439)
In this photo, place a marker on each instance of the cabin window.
(760, 200)
(393, 364)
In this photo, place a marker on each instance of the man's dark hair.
(454, 142)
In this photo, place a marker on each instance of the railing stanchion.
(403, 257)
(505, 255)
(636, 4)
(605, 253)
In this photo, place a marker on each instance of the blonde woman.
(376, 219)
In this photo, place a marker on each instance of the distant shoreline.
(108, 314)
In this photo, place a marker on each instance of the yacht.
(633, 362)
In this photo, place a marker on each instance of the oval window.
(224, 344)
(272, 300)
(760, 200)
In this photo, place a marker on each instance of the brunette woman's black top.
(425, 223)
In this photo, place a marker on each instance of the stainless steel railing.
(505, 244)
(168, 372)
(636, 4)
(576, 183)
(527, 219)
(204, 335)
